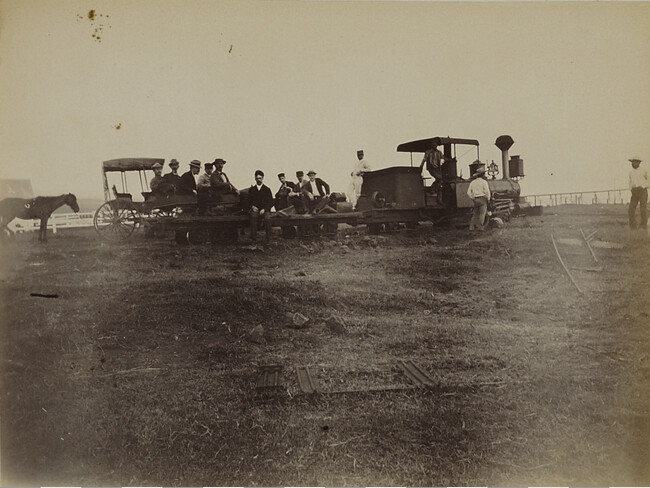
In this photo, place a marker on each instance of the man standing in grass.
(479, 192)
(639, 189)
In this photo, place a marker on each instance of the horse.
(33, 208)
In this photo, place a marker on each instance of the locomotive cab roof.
(423, 145)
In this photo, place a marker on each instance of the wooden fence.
(57, 221)
(601, 197)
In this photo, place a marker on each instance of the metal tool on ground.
(306, 381)
(588, 241)
(414, 373)
(564, 265)
(580, 255)
(268, 377)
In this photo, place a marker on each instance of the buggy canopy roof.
(130, 164)
(423, 145)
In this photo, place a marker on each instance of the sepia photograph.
(324, 243)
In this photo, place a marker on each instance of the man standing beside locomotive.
(261, 200)
(479, 192)
(639, 189)
(354, 190)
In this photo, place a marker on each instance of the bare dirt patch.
(142, 371)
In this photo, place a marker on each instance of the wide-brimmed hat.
(311, 172)
(156, 165)
(479, 171)
(173, 162)
(219, 161)
(634, 160)
(195, 163)
(281, 175)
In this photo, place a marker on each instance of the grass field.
(142, 370)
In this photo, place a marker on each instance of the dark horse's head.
(71, 201)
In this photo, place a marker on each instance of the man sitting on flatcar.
(261, 201)
(170, 181)
(219, 181)
(203, 183)
(155, 182)
(188, 179)
(315, 192)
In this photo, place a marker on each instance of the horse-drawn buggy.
(122, 214)
(390, 197)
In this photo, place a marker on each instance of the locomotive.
(400, 194)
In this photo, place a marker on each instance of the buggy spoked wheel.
(116, 221)
(223, 234)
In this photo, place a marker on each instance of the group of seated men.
(308, 195)
(212, 183)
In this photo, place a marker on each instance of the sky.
(299, 85)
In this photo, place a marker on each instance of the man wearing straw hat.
(639, 190)
(479, 192)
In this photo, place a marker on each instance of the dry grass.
(142, 372)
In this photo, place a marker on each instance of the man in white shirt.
(479, 192)
(639, 189)
(203, 181)
(354, 190)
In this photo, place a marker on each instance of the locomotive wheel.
(181, 237)
(116, 221)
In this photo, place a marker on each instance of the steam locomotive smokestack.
(504, 143)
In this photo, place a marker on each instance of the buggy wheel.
(198, 236)
(374, 229)
(115, 221)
